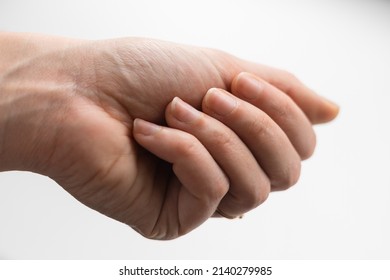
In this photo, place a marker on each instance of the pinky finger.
(203, 182)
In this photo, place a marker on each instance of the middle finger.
(266, 140)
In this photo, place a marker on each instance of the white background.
(340, 209)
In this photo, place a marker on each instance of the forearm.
(16, 48)
(10, 44)
(30, 91)
(18, 126)
(13, 47)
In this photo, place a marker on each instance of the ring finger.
(249, 185)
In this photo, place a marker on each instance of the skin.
(157, 135)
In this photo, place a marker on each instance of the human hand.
(73, 108)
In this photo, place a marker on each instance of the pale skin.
(157, 135)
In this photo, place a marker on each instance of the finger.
(280, 107)
(318, 109)
(249, 185)
(204, 183)
(266, 140)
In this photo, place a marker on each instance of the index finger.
(317, 108)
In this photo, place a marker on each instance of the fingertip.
(169, 108)
(334, 109)
(241, 80)
(236, 81)
(329, 112)
(145, 128)
(182, 112)
(219, 102)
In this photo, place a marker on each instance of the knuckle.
(260, 196)
(259, 126)
(187, 146)
(158, 233)
(256, 197)
(220, 188)
(309, 147)
(289, 76)
(291, 82)
(288, 176)
(221, 138)
(284, 110)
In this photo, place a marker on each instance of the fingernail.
(183, 111)
(249, 87)
(145, 128)
(219, 101)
